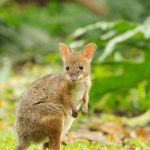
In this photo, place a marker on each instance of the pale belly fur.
(77, 95)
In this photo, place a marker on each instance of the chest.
(78, 91)
(77, 95)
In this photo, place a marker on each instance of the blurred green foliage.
(132, 10)
(121, 71)
(29, 35)
(9, 139)
(39, 28)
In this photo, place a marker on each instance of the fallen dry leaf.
(3, 125)
(143, 133)
(88, 135)
(131, 148)
(1, 103)
(113, 128)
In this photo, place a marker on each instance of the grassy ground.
(8, 142)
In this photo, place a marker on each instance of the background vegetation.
(120, 96)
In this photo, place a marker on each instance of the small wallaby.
(48, 107)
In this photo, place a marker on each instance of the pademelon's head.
(77, 64)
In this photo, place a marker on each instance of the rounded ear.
(64, 50)
(89, 50)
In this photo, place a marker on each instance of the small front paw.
(74, 114)
(84, 110)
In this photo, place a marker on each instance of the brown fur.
(44, 109)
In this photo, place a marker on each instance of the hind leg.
(55, 135)
(22, 144)
(55, 141)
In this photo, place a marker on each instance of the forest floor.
(103, 132)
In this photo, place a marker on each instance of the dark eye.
(67, 68)
(81, 67)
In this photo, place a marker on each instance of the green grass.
(8, 142)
